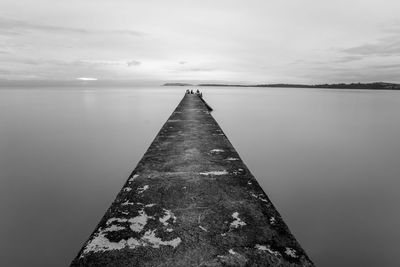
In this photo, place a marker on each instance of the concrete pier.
(191, 201)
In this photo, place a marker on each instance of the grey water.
(328, 159)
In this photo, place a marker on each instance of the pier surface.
(191, 201)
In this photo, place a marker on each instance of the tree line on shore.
(374, 85)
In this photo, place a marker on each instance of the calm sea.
(328, 159)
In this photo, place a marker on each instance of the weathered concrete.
(191, 201)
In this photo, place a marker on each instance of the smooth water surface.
(328, 159)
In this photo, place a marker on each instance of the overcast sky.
(252, 41)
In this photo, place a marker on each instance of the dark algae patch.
(191, 201)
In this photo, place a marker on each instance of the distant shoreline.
(369, 86)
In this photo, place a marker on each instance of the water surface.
(328, 159)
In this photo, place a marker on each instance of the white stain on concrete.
(127, 189)
(168, 215)
(231, 251)
(232, 159)
(100, 242)
(224, 172)
(267, 249)
(202, 228)
(155, 242)
(136, 223)
(236, 172)
(140, 190)
(139, 222)
(272, 220)
(133, 177)
(261, 247)
(126, 203)
(113, 228)
(237, 221)
(260, 197)
(290, 252)
(216, 150)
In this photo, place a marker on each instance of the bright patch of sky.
(254, 41)
(87, 79)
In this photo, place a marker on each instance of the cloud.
(366, 72)
(25, 68)
(387, 46)
(17, 27)
(199, 69)
(123, 40)
(195, 69)
(395, 66)
(128, 63)
(349, 58)
(133, 63)
(5, 71)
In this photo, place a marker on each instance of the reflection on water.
(328, 159)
